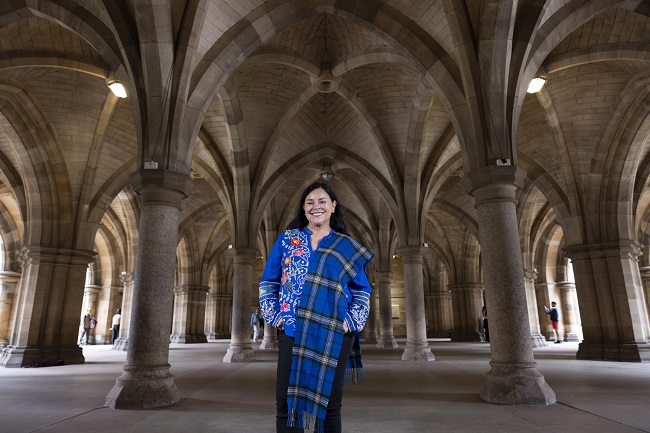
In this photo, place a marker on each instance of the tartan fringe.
(353, 376)
(305, 420)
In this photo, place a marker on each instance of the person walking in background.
(555, 320)
(255, 323)
(117, 317)
(485, 324)
(85, 324)
(315, 291)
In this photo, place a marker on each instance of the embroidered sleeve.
(270, 286)
(360, 306)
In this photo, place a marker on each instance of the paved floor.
(397, 396)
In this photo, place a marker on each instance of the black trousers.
(333, 415)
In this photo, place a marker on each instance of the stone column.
(240, 349)
(442, 317)
(189, 314)
(608, 283)
(386, 337)
(122, 342)
(569, 312)
(210, 316)
(370, 329)
(90, 302)
(224, 315)
(467, 300)
(513, 377)
(48, 307)
(417, 347)
(645, 279)
(8, 282)
(270, 339)
(146, 381)
(538, 339)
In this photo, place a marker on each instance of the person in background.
(255, 323)
(555, 320)
(85, 324)
(117, 317)
(314, 290)
(485, 324)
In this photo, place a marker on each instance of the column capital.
(623, 248)
(465, 287)
(412, 253)
(36, 253)
(530, 276)
(383, 277)
(494, 183)
(163, 187)
(244, 255)
(126, 277)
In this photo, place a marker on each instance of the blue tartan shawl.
(319, 328)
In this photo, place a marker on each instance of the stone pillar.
(369, 332)
(270, 339)
(441, 315)
(146, 381)
(467, 300)
(210, 316)
(224, 315)
(90, 302)
(8, 282)
(569, 312)
(386, 337)
(48, 307)
(122, 342)
(645, 279)
(513, 377)
(536, 336)
(189, 314)
(417, 347)
(608, 283)
(240, 349)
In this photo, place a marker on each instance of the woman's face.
(318, 208)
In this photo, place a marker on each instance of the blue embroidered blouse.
(283, 279)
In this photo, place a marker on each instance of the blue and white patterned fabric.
(315, 292)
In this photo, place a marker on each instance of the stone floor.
(397, 396)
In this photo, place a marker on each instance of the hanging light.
(536, 84)
(327, 174)
(117, 88)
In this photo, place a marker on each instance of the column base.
(121, 344)
(623, 352)
(538, 340)
(387, 342)
(16, 357)
(470, 336)
(571, 336)
(188, 338)
(417, 352)
(239, 353)
(516, 385)
(269, 342)
(143, 388)
(370, 338)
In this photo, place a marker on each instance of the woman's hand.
(280, 325)
(346, 328)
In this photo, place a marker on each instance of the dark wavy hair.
(336, 220)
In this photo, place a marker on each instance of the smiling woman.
(300, 294)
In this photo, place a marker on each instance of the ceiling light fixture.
(327, 174)
(117, 88)
(536, 84)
